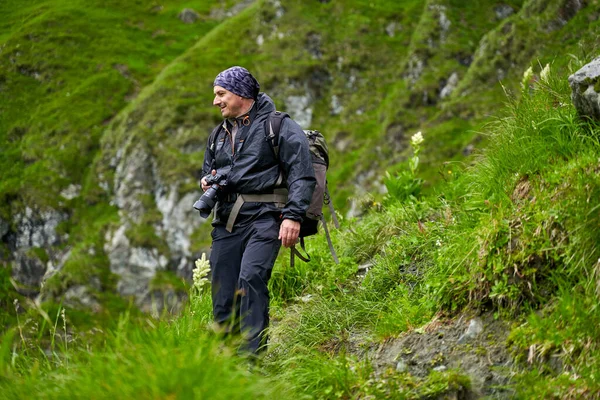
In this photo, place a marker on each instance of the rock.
(365, 267)
(450, 86)
(440, 368)
(416, 66)
(188, 16)
(134, 176)
(503, 11)
(71, 191)
(336, 106)
(28, 271)
(474, 329)
(299, 107)
(401, 366)
(585, 85)
(38, 228)
(80, 297)
(391, 28)
(468, 150)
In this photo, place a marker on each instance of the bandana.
(238, 81)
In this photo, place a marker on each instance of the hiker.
(255, 213)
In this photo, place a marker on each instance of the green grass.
(514, 230)
(149, 358)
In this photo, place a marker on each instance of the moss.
(39, 253)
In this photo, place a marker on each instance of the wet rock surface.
(474, 346)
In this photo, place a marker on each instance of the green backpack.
(320, 160)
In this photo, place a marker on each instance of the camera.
(208, 200)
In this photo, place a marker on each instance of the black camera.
(208, 200)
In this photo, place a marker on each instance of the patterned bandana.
(238, 81)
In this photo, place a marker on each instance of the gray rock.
(336, 106)
(401, 366)
(71, 191)
(390, 29)
(443, 21)
(38, 228)
(585, 86)
(474, 329)
(134, 177)
(28, 272)
(503, 11)
(450, 86)
(80, 297)
(188, 16)
(301, 110)
(415, 68)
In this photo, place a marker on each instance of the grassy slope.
(382, 306)
(513, 233)
(66, 69)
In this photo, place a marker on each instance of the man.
(259, 208)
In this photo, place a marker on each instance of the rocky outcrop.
(34, 246)
(144, 200)
(585, 85)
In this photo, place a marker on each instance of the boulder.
(585, 85)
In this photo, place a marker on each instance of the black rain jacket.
(253, 168)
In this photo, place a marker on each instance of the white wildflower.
(416, 139)
(201, 272)
(545, 73)
(527, 75)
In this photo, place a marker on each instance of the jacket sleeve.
(296, 161)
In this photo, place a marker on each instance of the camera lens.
(206, 203)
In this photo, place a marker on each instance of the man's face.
(231, 105)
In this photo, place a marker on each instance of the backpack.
(320, 161)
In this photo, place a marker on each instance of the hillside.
(104, 115)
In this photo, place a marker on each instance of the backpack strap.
(212, 138)
(329, 242)
(272, 128)
(331, 210)
(294, 252)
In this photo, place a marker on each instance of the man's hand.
(288, 232)
(203, 181)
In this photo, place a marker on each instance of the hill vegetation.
(109, 101)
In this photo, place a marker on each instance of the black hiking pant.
(241, 264)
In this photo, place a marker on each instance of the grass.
(147, 358)
(513, 231)
(512, 234)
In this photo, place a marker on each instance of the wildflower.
(545, 73)
(527, 75)
(201, 272)
(416, 139)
